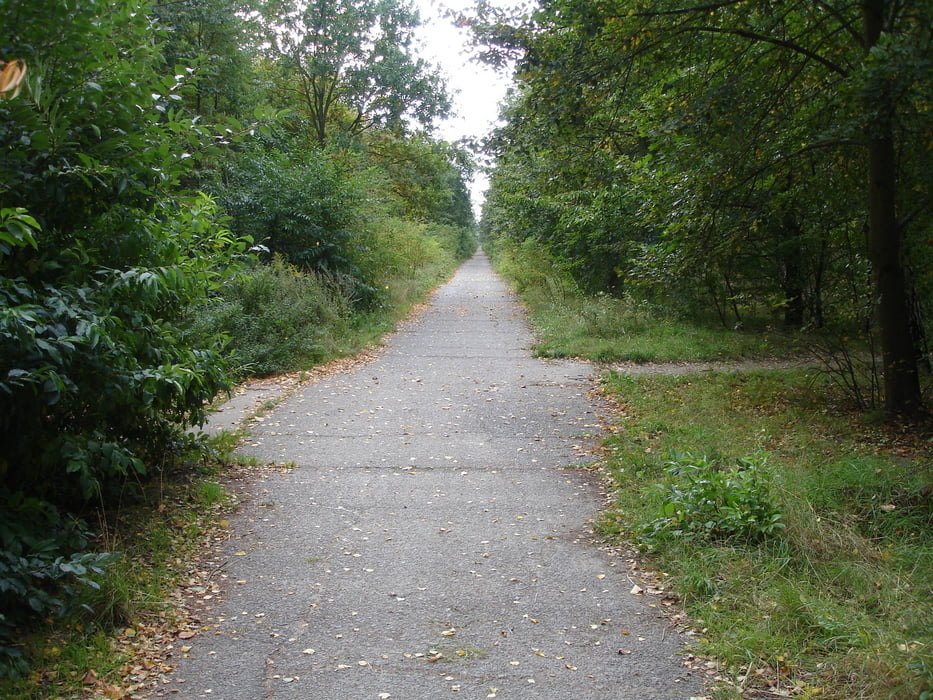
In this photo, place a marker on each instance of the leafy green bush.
(307, 210)
(93, 376)
(277, 318)
(43, 567)
(100, 249)
(708, 500)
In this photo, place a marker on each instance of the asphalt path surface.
(433, 538)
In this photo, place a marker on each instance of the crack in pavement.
(432, 540)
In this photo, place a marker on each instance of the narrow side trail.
(433, 539)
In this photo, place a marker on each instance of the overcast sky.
(477, 89)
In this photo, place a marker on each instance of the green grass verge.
(602, 328)
(837, 603)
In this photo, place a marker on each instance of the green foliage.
(212, 40)
(709, 500)
(714, 159)
(427, 178)
(18, 229)
(95, 378)
(836, 597)
(309, 211)
(351, 63)
(277, 318)
(100, 250)
(44, 566)
(607, 328)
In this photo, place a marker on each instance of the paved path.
(431, 541)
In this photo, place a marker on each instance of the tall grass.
(835, 604)
(278, 318)
(604, 328)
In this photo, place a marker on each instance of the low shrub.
(712, 500)
(277, 318)
(44, 569)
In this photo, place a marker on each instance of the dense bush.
(95, 379)
(277, 318)
(100, 250)
(309, 211)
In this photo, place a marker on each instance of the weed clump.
(711, 500)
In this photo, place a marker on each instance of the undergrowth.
(606, 328)
(130, 604)
(279, 318)
(811, 578)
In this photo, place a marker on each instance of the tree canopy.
(352, 61)
(737, 153)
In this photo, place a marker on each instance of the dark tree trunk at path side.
(902, 395)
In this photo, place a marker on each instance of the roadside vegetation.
(793, 526)
(677, 182)
(182, 209)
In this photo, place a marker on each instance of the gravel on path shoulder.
(433, 538)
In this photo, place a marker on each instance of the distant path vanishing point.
(433, 539)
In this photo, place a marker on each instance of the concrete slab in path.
(433, 539)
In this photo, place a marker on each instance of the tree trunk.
(902, 395)
(792, 282)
